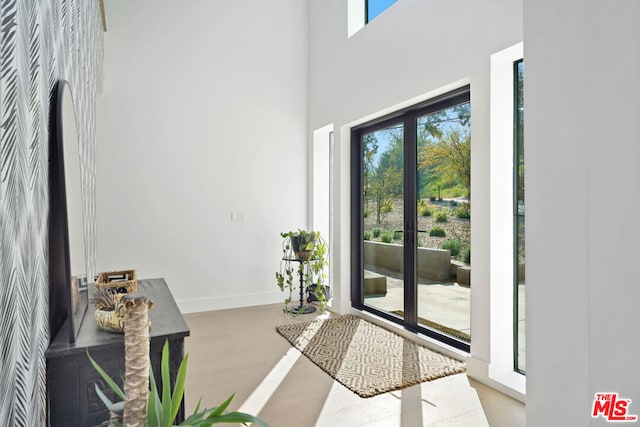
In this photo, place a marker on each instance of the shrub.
(366, 235)
(387, 207)
(432, 198)
(366, 214)
(425, 210)
(463, 211)
(386, 237)
(453, 203)
(441, 216)
(466, 254)
(457, 191)
(437, 232)
(397, 235)
(376, 231)
(452, 246)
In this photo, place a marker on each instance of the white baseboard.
(234, 301)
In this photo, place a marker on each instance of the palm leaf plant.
(162, 409)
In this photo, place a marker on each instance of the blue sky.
(376, 7)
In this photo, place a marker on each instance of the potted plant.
(304, 254)
(163, 405)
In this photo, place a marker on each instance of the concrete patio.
(444, 302)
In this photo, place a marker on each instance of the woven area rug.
(365, 358)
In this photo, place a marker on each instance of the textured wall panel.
(40, 42)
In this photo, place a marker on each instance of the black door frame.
(408, 117)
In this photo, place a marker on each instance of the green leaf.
(224, 405)
(166, 387)
(236, 417)
(154, 407)
(198, 406)
(178, 388)
(117, 390)
(196, 416)
(102, 397)
(208, 417)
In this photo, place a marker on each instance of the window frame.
(408, 116)
(516, 217)
(494, 328)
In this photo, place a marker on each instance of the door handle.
(409, 235)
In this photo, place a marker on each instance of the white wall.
(413, 51)
(204, 113)
(582, 64)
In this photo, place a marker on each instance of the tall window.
(373, 8)
(518, 220)
(411, 217)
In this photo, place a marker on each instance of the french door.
(410, 218)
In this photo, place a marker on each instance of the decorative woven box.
(125, 281)
(111, 320)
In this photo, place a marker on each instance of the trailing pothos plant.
(304, 255)
(163, 409)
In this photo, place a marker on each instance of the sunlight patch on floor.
(261, 395)
(448, 401)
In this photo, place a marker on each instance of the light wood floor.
(238, 351)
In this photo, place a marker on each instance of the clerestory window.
(373, 8)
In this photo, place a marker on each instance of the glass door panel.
(383, 219)
(411, 185)
(519, 220)
(443, 187)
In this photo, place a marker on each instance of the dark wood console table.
(71, 396)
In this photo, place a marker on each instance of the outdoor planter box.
(433, 264)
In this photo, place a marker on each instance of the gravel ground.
(455, 228)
